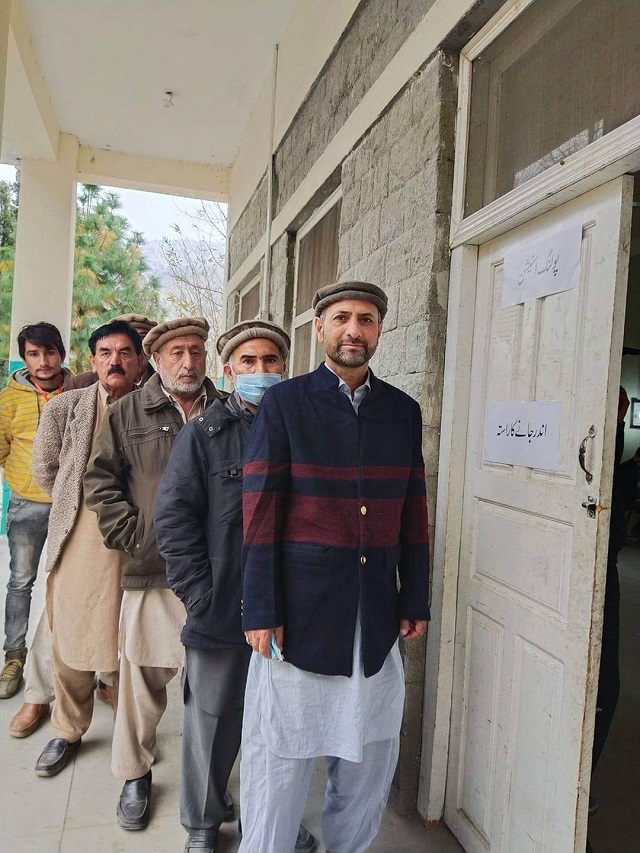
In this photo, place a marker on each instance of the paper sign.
(524, 433)
(547, 263)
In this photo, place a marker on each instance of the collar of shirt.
(358, 395)
(198, 407)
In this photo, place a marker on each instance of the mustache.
(115, 368)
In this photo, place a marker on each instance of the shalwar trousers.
(273, 793)
(142, 700)
(38, 677)
(73, 689)
(214, 682)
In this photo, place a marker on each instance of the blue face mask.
(251, 386)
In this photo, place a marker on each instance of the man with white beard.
(131, 453)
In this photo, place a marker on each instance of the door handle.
(583, 450)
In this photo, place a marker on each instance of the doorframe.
(613, 155)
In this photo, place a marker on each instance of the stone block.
(430, 449)
(412, 301)
(432, 400)
(416, 347)
(381, 177)
(366, 190)
(393, 351)
(391, 319)
(411, 383)
(413, 657)
(350, 205)
(399, 259)
(370, 228)
(355, 243)
(391, 218)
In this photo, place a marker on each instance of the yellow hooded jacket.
(20, 408)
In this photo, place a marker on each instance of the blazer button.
(363, 510)
(363, 560)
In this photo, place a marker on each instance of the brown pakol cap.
(248, 329)
(364, 290)
(140, 322)
(178, 328)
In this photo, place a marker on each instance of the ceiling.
(104, 68)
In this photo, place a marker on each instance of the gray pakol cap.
(249, 329)
(364, 290)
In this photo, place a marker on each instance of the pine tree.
(110, 273)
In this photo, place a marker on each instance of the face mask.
(251, 386)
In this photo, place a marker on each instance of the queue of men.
(270, 542)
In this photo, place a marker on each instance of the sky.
(151, 213)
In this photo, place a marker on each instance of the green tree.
(110, 273)
(8, 221)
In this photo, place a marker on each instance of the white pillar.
(45, 239)
(5, 14)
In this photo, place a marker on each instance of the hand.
(260, 641)
(410, 629)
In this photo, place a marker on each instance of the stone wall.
(249, 229)
(374, 35)
(396, 186)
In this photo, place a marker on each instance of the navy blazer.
(335, 519)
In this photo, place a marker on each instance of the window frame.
(307, 316)
(616, 153)
(242, 292)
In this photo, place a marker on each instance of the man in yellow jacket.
(21, 402)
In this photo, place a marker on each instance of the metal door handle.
(583, 450)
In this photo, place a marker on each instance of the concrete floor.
(75, 811)
(615, 827)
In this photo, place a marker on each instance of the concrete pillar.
(5, 13)
(43, 275)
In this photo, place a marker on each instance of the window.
(558, 77)
(316, 266)
(250, 300)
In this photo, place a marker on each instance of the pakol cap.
(364, 290)
(163, 332)
(249, 329)
(140, 322)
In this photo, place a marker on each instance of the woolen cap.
(140, 322)
(249, 329)
(163, 332)
(350, 290)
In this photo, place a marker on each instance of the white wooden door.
(532, 561)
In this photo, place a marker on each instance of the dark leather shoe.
(133, 806)
(202, 840)
(230, 813)
(305, 842)
(54, 756)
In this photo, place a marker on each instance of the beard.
(186, 384)
(350, 358)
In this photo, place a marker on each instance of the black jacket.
(198, 522)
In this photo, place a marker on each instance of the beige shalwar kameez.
(83, 605)
(151, 655)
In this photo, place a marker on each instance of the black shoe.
(203, 840)
(133, 806)
(230, 813)
(54, 756)
(305, 842)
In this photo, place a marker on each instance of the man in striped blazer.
(335, 568)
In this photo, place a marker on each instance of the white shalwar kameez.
(291, 717)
